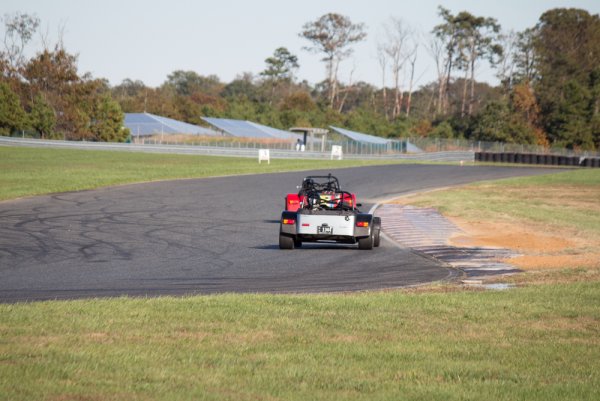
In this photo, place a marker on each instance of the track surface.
(204, 236)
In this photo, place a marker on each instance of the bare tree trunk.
(397, 91)
(472, 95)
(471, 64)
(385, 110)
(431, 107)
(398, 97)
(272, 92)
(397, 34)
(441, 91)
(331, 81)
(413, 60)
(445, 99)
(382, 58)
(346, 91)
(436, 49)
(409, 99)
(341, 106)
(464, 94)
(507, 62)
(335, 83)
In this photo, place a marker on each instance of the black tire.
(376, 238)
(286, 242)
(298, 243)
(366, 243)
(377, 229)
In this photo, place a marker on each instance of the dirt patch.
(541, 247)
(508, 235)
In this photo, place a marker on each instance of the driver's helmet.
(330, 199)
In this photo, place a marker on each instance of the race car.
(325, 213)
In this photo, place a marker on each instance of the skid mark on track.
(427, 232)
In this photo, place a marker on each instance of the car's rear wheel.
(366, 243)
(376, 238)
(286, 242)
(377, 229)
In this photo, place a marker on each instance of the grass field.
(30, 171)
(533, 343)
(539, 341)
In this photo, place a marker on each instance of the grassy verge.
(534, 343)
(31, 171)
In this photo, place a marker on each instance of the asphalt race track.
(205, 236)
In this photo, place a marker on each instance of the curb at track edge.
(452, 271)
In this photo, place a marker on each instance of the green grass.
(582, 177)
(532, 343)
(568, 200)
(30, 171)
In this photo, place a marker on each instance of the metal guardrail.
(448, 156)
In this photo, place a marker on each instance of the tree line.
(549, 91)
(45, 95)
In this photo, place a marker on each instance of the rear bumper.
(345, 239)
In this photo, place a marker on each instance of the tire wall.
(541, 159)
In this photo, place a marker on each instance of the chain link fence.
(393, 146)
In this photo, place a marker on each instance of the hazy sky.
(147, 40)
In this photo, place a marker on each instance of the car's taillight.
(288, 221)
(362, 224)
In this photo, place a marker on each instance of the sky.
(147, 40)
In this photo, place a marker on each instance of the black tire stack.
(540, 159)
